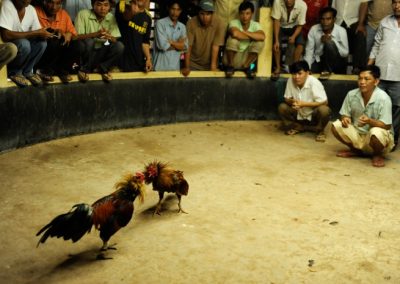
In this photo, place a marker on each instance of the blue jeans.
(392, 88)
(29, 53)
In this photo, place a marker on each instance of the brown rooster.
(108, 214)
(165, 179)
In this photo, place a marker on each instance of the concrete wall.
(33, 115)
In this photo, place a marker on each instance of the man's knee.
(283, 108)
(256, 47)
(23, 46)
(324, 111)
(232, 44)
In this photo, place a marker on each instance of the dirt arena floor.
(263, 208)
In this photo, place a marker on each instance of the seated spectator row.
(102, 36)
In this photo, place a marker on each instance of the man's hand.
(276, 46)
(44, 33)
(346, 121)
(291, 40)
(185, 71)
(361, 29)
(326, 38)
(363, 120)
(297, 104)
(149, 65)
(67, 39)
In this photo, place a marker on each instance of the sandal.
(293, 131)
(35, 80)
(106, 77)
(321, 137)
(378, 161)
(83, 76)
(250, 73)
(229, 71)
(324, 75)
(19, 80)
(46, 77)
(65, 78)
(275, 75)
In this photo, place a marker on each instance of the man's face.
(367, 82)
(101, 8)
(174, 12)
(289, 3)
(327, 21)
(134, 7)
(51, 7)
(300, 78)
(245, 16)
(205, 18)
(396, 7)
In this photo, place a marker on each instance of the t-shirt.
(62, 21)
(134, 33)
(9, 19)
(253, 27)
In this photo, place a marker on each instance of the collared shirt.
(165, 31)
(377, 10)
(347, 10)
(202, 39)
(386, 49)
(312, 91)
(86, 23)
(297, 16)
(379, 107)
(62, 21)
(315, 48)
(9, 19)
(253, 27)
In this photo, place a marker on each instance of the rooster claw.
(181, 210)
(101, 256)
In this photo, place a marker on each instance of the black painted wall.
(33, 115)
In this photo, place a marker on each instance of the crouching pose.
(365, 125)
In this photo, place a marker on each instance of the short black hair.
(246, 5)
(298, 66)
(172, 2)
(328, 10)
(373, 69)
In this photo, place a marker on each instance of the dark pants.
(320, 116)
(59, 58)
(331, 60)
(102, 58)
(357, 44)
(392, 88)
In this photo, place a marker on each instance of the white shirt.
(347, 10)
(312, 91)
(297, 16)
(315, 48)
(386, 49)
(10, 21)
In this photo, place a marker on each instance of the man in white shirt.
(306, 103)
(386, 55)
(351, 14)
(327, 47)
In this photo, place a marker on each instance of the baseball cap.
(207, 5)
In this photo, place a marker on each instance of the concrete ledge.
(34, 115)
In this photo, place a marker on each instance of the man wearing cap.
(206, 33)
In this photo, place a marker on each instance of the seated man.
(8, 51)
(170, 39)
(327, 47)
(288, 16)
(206, 34)
(306, 103)
(97, 35)
(61, 51)
(365, 125)
(244, 43)
(134, 22)
(20, 25)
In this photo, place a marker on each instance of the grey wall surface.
(33, 115)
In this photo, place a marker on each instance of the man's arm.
(8, 35)
(186, 69)
(214, 57)
(297, 31)
(362, 16)
(146, 52)
(244, 35)
(277, 28)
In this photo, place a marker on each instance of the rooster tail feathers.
(71, 226)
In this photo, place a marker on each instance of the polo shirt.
(297, 16)
(62, 21)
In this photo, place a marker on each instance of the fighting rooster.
(108, 214)
(165, 179)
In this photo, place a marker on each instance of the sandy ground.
(263, 208)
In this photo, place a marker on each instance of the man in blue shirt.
(170, 39)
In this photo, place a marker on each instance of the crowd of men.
(43, 41)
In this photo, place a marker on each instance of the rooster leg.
(179, 204)
(158, 207)
(101, 256)
(107, 247)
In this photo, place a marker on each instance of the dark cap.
(207, 5)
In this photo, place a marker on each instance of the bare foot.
(378, 161)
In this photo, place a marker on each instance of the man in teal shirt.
(244, 43)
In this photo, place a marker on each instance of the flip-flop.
(275, 75)
(250, 73)
(83, 76)
(229, 71)
(35, 80)
(19, 80)
(106, 77)
(378, 161)
(321, 137)
(324, 75)
(293, 131)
